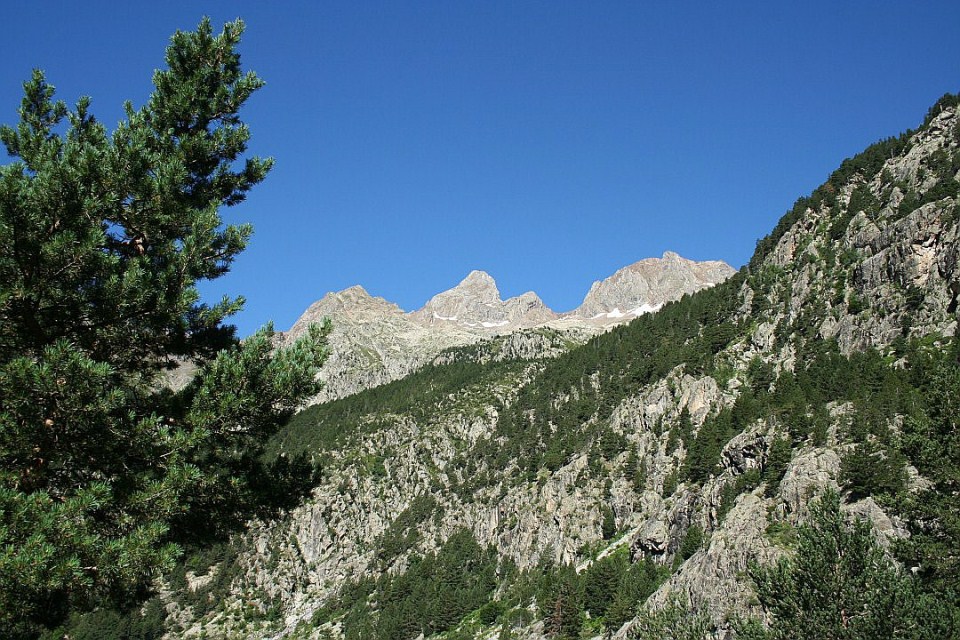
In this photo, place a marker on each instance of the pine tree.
(932, 442)
(674, 621)
(103, 239)
(841, 584)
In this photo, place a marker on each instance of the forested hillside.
(774, 457)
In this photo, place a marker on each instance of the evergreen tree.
(103, 239)
(781, 452)
(840, 584)
(674, 621)
(932, 441)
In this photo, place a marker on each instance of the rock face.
(646, 285)
(899, 261)
(374, 341)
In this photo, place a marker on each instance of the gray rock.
(646, 285)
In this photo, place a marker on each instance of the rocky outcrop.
(896, 262)
(372, 341)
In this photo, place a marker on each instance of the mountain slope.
(660, 459)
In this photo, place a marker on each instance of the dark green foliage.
(746, 481)
(108, 624)
(913, 298)
(103, 241)
(670, 483)
(635, 471)
(871, 470)
(840, 584)
(438, 591)
(610, 590)
(778, 458)
(328, 426)
(637, 582)
(608, 523)
(693, 540)
(910, 202)
(863, 200)
(760, 374)
(489, 613)
(855, 304)
(610, 444)
(404, 531)
(683, 433)
(221, 557)
(675, 621)
(703, 457)
(932, 443)
(563, 604)
(684, 428)
(600, 582)
(432, 596)
(943, 164)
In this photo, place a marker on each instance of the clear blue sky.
(548, 143)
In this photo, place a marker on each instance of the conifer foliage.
(103, 239)
(841, 584)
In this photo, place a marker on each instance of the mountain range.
(374, 341)
(770, 456)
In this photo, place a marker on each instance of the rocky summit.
(647, 285)
(772, 456)
(475, 304)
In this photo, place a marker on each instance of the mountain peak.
(355, 292)
(353, 301)
(470, 302)
(475, 304)
(479, 284)
(478, 276)
(646, 285)
(349, 297)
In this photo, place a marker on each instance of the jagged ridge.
(374, 341)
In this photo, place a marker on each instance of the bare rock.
(646, 285)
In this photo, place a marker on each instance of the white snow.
(645, 308)
(490, 325)
(437, 316)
